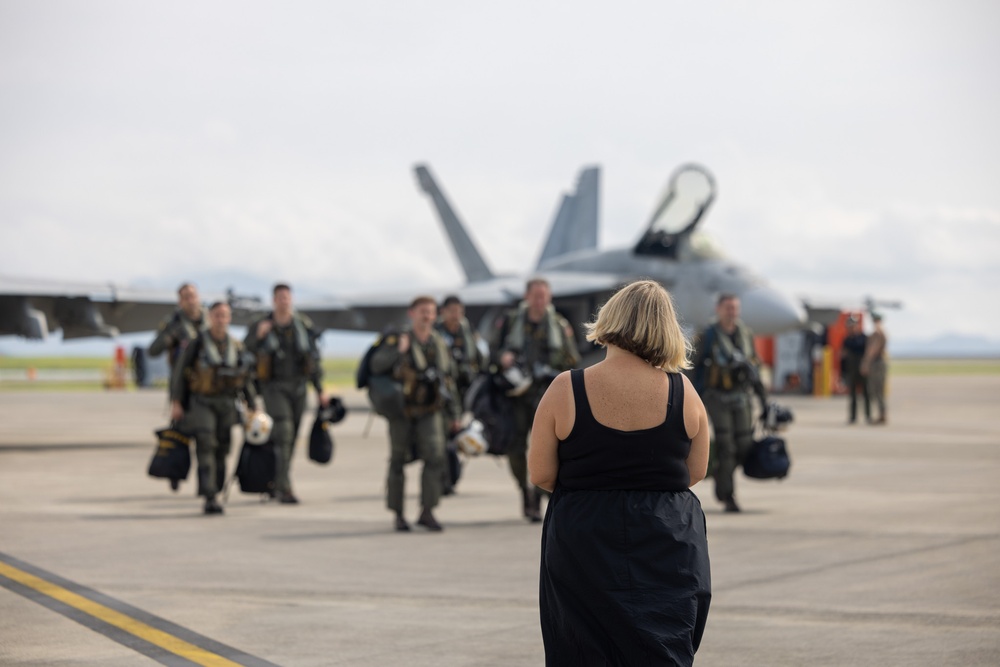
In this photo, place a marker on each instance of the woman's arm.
(696, 425)
(543, 449)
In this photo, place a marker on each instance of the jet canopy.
(689, 193)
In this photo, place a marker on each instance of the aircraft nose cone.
(768, 311)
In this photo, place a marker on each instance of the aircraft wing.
(32, 308)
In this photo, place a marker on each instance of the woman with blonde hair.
(625, 574)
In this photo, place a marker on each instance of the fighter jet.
(583, 276)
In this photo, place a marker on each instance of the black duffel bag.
(767, 459)
(257, 468)
(487, 401)
(320, 441)
(321, 438)
(172, 456)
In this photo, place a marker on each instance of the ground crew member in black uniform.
(180, 328)
(175, 333)
(284, 345)
(536, 338)
(725, 373)
(419, 359)
(208, 379)
(853, 351)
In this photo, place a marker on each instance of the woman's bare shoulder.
(691, 396)
(562, 384)
(694, 409)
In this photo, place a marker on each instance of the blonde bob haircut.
(640, 319)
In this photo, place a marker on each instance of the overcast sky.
(855, 144)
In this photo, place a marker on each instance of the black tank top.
(599, 457)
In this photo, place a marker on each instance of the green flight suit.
(467, 362)
(728, 397)
(287, 359)
(212, 375)
(421, 427)
(174, 335)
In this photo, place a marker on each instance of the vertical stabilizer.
(575, 225)
(472, 262)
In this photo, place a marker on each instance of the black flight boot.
(428, 521)
(212, 505)
(205, 480)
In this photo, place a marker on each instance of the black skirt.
(625, 578)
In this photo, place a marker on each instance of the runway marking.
(98, 612)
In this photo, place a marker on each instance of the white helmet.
(471, 441)
(519, 380)
(258, 428)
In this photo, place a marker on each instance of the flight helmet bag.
(321, 441)
(257, 468)
(768, 456)
(767, 459)
(172, 456)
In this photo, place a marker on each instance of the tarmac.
(880, 548)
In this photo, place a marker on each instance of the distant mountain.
(947, 345)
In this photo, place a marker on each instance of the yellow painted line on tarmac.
(119, 620)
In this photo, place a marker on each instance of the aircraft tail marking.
(472, 261)
(575, 225)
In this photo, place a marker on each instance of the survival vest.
(422, 375)
(214, 372)
(270, 347)
(726, 364)
(555, 336)
(463, 350)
